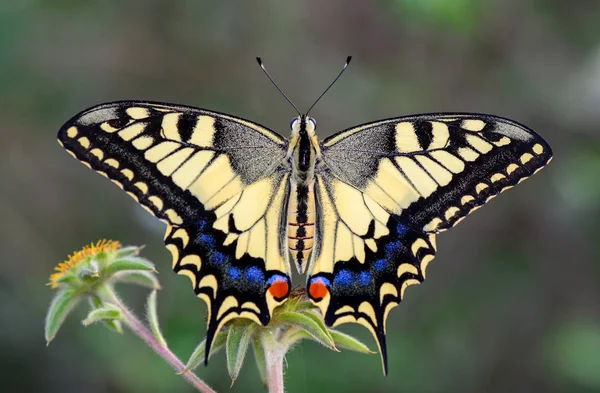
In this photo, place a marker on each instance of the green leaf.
(317, 319)
(62, 304)
(261, 361)
(294, 335)
(130, 263)
(153, 318)
(317, 330)
(107, 312)
(238, 339)
(197, 356)
(113, 325)
(342, 340)
(143, 278)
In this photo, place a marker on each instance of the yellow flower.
(91, 273)
(79, 256)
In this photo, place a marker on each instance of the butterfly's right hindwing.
(218, 183)
(236, 256)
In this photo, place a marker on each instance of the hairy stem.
(140, 330)
(274, 356)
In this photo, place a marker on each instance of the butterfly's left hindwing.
(363, 260)
(215, 180)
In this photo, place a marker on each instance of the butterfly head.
(303, 125)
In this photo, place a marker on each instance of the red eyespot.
(279, 289)
(318, 290)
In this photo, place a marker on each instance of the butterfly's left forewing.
(216, 180)
(432, 170)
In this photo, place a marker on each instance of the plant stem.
(140, 330)
(274, 355)
(275, 373)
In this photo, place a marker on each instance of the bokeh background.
(511, 302)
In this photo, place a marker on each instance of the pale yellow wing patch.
(350, 223)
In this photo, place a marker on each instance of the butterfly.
(359, 211)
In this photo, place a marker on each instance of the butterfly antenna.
(260, 63)
(332, 83)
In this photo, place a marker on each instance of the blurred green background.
(511, 300)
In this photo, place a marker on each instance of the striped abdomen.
(301, 223)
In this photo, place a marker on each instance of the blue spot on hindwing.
(276, 277)
(343, 278)
(218, 257)
(254, 275)
(393, 247)
(207, 240)
(401, 229)
(234, 273)
(364, 278)
(380, 264)
(323, 280)
(202, 224)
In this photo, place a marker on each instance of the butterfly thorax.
(303, 155)
(303, 150)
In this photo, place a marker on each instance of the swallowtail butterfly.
(360, 210)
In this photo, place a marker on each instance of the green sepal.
(197, 356)
(128, 251)
(152, 316)
(107, 312)
(145, 279)
(343, 340)
(114, 325)
(128, 264)
(261, 361)
(302, 306)
(238, 339)
(103, 258)
(67, 278)
(316, 330)
(298, 304)
(61, 305)
(89, 270)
